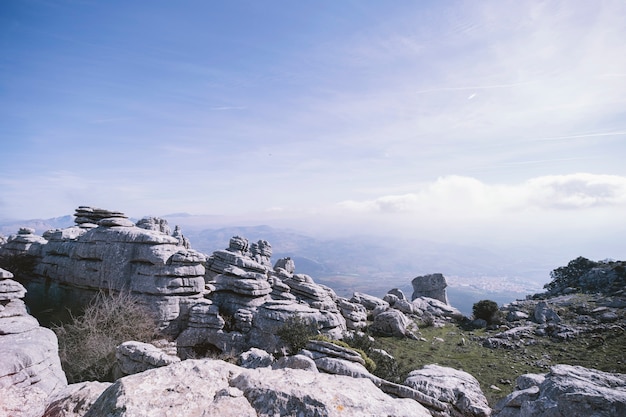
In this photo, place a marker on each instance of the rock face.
(432, 286)
(566, 391)
(457, 388)
(107, 251)
(215, 388)
(30, 369)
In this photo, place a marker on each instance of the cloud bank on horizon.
(496, 119)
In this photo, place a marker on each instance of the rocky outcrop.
(566, 391)
(30, 369)
(457, 388)
(431, 286)
(250, 301)
(107, 251)
(215, 388)
(25, 242)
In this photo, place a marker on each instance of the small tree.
(87, 344)
(296, 332)
(487, 310)
(569, 276)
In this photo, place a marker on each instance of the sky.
(467, 121)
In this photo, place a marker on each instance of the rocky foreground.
(235, 302)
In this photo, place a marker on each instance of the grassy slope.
(463, 350)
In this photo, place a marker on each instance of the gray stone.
(568, 391)
(391, 323)
(10, 289)
(368, 301)
(457, 388)
(432, 286)
(255, 358)
(516, 315)
(22, 401)
(134, 357)
(545, 314)
(75, 399)
(296, 362)
(215, 388)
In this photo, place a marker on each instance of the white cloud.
(471, 197)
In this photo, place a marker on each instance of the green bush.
(569, 276)
(487, 310)
(296, 332)
(87, 344)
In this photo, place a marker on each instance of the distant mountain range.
(371, 264)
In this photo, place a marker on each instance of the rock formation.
(25, 242)
(566, 391)
(215, 388)
(106, 251)
(30, 369)
(431, 286)
(250, 301)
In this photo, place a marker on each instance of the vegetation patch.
(87, 343)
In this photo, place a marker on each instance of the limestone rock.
(22, 401)
(302, 362)
(134, 357)
(545, 314)
(392, 323)
(75, 399)
(369, 301)
(457, 388)
(24, 242)
(118, 256)
(30, 368)
(432, 286)
(568, 391)
(156, 224)
(255, 358)
(215, 388)
(354, 313)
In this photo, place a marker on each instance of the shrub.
(87, 344)
(370, 365)
(568, 276)
(296, 332)
(487, 310)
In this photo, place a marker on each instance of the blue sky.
(493, 120)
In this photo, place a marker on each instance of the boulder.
(255, 358)
(392, 323)
(544, 314)
(457, 388)
(30, 368)
(567, 391)
(216, 388)
(302, 362)
(432, 286)
(134, 357)
(369, 301)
